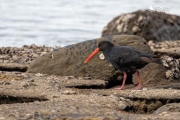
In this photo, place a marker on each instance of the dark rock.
(152, 73)
(69, 61)
(157, 26)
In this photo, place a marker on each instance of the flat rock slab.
(38, 96)
(170, 48)
(76, 107)
(151, 94)
(13, 67)
(43, 86)
(86, 84)
(69, 61)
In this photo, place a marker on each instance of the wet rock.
(69, 61)
(172, 107)
(157, 26)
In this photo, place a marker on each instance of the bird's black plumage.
(125, 58)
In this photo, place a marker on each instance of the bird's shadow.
(117, 78)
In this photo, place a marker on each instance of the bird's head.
(102, 46)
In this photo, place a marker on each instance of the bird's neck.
(106, 52)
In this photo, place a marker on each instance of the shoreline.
(27, 53)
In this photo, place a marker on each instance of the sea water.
(64, 22)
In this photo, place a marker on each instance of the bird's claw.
(139, 87)
(121, 88)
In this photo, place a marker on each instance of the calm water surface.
(64, 22)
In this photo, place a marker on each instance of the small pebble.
(144, 89)
(69, 92)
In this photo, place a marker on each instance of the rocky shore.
(40, 96)
(23, 55)
(46, 83)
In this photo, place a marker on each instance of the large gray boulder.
(155, 26)
(69, 60)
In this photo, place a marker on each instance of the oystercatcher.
(126, 59)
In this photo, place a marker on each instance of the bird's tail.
(156, 60)
(152, 59)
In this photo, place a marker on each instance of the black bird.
(125, 58)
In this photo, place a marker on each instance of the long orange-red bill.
(92, 55)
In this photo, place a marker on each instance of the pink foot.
(121, 88)
(139, 87)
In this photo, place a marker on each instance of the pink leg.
(124, 80)
(139, 87)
